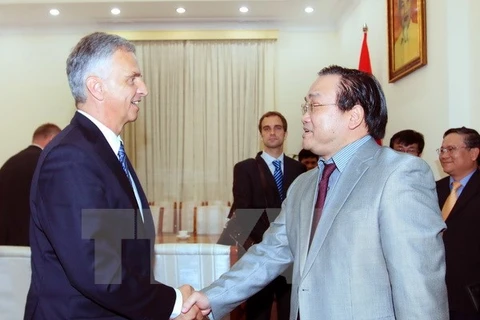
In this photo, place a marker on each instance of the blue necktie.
(278, 176)
(122, 157)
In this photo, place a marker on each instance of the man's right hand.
(197, 300)
(194, 312)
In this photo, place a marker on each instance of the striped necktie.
(122, 157)
(278, 176)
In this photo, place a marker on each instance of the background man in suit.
(459, 156)
(15, 180)
(91, 232)
(308, 158)
(377, 250)
(409, 141)
(249, 193)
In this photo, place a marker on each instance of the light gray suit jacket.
(377, 253)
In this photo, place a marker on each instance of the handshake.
(195, 304)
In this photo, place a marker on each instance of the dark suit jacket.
(462, 242)
(80, 193)
(248, 191)
(15, 179)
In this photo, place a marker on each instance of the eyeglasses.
(407, 150)
(449, 149)
(307, 107)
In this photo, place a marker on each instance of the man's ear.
(357, 117)
(95, 87)
(474, 153)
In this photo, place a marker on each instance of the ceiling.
(161, 13)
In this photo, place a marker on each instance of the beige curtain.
(201, 115)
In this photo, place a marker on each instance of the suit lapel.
(305, 214)
(346, 182)
(472, 189)
(103, 149)
(443, 190)
(105, 152)
(148, 225)
(271, 185)
(289, 173)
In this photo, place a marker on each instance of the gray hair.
(92, 56)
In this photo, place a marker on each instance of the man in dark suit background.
(459, 156)
(249, 193)
(91, 232)
(15, 180)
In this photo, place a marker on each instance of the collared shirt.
(269, 160)
(114, 141)
(340, 159)
(463, 182)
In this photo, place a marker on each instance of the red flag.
(364, 63)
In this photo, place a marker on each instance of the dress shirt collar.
(112, 139)
(342, 157)
(269, 159)
(463, 182)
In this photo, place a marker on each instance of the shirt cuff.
(177, 308)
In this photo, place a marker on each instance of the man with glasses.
(408, 141)
(363, 230)
(308, 158)
(459, 157)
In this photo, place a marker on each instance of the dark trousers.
(455, 315)
(259, 306)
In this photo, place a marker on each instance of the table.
(167, 237)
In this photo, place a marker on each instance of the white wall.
(431, 100)
(437, 96)
(300, 56)
(33, 86)
(472, 81)
(37, 89)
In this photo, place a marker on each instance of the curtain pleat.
(201, 115)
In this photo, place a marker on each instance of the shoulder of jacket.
(246, 162)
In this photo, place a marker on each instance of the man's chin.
(306, 144)
(133, 115)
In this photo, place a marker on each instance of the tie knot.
(277, 164)
(456, 185)
(328, 170)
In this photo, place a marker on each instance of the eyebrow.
(134, 74)
(312, 95)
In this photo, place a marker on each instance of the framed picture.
(407, 37)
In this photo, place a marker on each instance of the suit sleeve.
(411, 236)
(116, 275)
(242, 189)
(261, 264)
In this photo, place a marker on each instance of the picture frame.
(407, 37)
